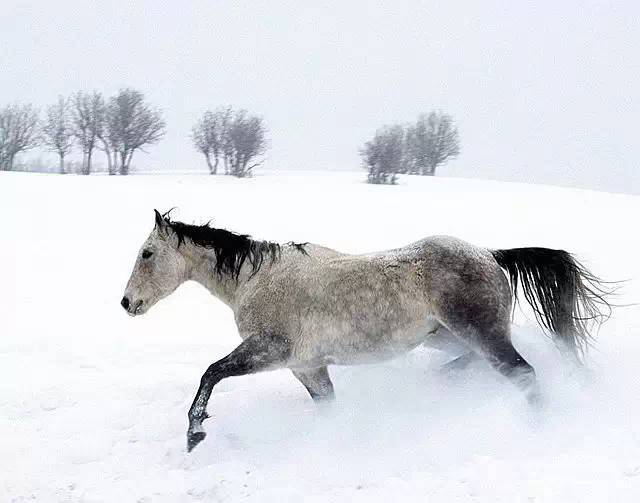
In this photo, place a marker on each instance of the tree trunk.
(129, 161)
(88, 168)
(123, 163)
(212, 170)
(62, 164)
(114, 163)
(110, 163)
(236, 166)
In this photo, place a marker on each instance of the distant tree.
(208, 136)
(236, 137)
(88, 122)
(383, 156)
(431, 142)
(131, 124)
(57, 130)
(18, 132)
(245, 141)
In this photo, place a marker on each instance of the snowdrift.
(93, 404)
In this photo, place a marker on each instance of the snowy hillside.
(93, 403)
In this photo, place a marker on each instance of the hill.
(94, 403)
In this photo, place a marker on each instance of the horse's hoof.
(194, 439)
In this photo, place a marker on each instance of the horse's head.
(159, 269)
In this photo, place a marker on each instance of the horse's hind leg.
(443, 340)
(317, 382)
(505, 359)
(492, 341)
(460, 363)
(254, 354)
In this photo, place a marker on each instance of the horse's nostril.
(125, 302)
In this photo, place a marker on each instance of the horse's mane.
(232, 250)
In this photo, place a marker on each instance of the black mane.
(232, 250)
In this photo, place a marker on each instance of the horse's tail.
(566, 298)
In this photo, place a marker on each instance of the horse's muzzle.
(132, 309)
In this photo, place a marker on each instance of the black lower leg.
(255, 354)
(506, 360)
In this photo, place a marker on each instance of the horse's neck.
(201, 262)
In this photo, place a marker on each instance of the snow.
(94, 403)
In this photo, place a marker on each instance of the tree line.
(118, 126)
(414, 149)
(122, 125)
(231, 141)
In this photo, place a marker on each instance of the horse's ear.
(161, 223)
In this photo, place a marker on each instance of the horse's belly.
(369, 356)
(354, 346)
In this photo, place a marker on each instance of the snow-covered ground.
(93, 403)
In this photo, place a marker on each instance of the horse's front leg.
(255, 354)
(317, 382)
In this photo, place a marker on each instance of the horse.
(303, 306)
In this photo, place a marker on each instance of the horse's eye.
(146, 254)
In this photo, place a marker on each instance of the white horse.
(304, 306)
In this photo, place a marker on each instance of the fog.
(543, 92)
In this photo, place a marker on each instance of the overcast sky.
(544, 91)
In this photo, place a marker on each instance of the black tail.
(566, 298)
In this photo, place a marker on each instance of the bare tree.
(88, 122)
(431, 142)
(383, 156)
(245, 142)
(57, 131)
(131, 124)
(18, 132)
(208, 135)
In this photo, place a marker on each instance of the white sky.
(544, 91)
